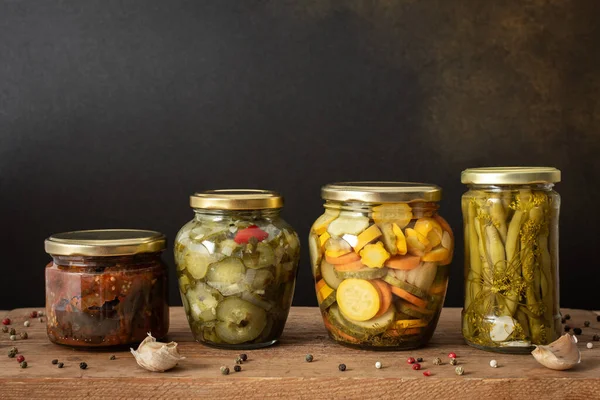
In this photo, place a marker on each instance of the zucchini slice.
(412, 289)
(362, 329)
(363, 273)
(329, 275)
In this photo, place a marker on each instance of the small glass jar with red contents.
(106, 287)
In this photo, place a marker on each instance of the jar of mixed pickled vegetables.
(511, 258)
(237, 262)
(380, 256)
(106, 287)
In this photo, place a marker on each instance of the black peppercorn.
(60, 365)
(54, 362)
(563, 321)
(342, 367)
(12, 331)
(23, 364)
(420, 359)
(113, 357)
(237, 368)
(598, 318)
(244, 356)
(596, 338)
(308, 358)
(83, 365)
(577, 331)
(225, 370)
(567, 316)
(586, 324)
(238, 360)
(567, 328)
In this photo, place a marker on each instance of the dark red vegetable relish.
(106, 301)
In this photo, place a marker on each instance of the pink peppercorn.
(410, 360)
(6, 321)
(33, 314)
(416, 366)
(20, 358)
(426, 373)
(452, 355)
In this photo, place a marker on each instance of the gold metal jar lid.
(105, 242)
(510, 175)
(381, 192)
(236, 199)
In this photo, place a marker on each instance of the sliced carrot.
(407, 262)
(352, 266)
(345, 259)
(385, 293)
(403, 332)
(409, 297)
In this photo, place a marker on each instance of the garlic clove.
(559, 355)
(156, 356)
(502, 328)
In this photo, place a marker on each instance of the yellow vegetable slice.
(358, 299)
(369, 235)
(416, 243)
(323, 290)
(337, 247)
(398, 213)
(323, 238)
(322, 223)
(410, 323)
(374, 255)
(436, 255)
(400, 239)
(431, 229)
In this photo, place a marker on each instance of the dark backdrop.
(113, 112)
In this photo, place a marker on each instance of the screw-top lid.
(236, 199)
(105, 242)
(381, 192)
(510, 175)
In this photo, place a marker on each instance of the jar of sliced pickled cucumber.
(237, 262)
(106, 287)
(511, 258)
(380, 256)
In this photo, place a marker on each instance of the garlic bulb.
(559, 355)
(156, 356)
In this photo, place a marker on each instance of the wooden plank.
(280, 371)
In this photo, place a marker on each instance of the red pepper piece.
(252, 231)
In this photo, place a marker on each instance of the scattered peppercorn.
(589, 345)
(416, 366)
(237, 368)
(20, 358)
(60, 365)
(225, 370)
(244, 356)
(40, 313)
(426, 373)
(378, 365)
(13, 337)
(586, 324)
(26, 324)
(410, 360)
(452, 355)
(597, 318)
(6, 321)
(437, 361)
(596, 338)
(238, 360)
(577, 331)
(23, 335)
(567, 316)
(83, 365)
(12, 352)
(453, 361)
(459, 370)
(24, 364)
(4, 329)
(562, 320)
(567, 328)
(420, 359)
(112, 357)
(12, 331)
(41, 319)
(493, 363)
(33, 314)
(342, 367)
(309, 358)
(54, 362)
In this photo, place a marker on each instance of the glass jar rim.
(236, 199)
(105, 242)
(510, 175)
(381, 192)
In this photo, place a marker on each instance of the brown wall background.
(112, 113)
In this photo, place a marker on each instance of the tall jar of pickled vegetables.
(237, 262)
(380, 256)
(511, 258)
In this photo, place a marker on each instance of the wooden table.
(281, 372)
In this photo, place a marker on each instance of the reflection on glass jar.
(106, 287)
(511, 258)
(237, 262)
(380, 256)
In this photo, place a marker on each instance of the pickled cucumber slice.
(412, 289)
(350, 223)
(363, 273)
(262, 279)
(413, 311)
(262, 257)
(184, 282)
(325, 294)
(329, 275)
(389, 238)
(229, 271)
(239, 321)
(399, 213)
(257, 301)
(203, 301)
(314, 248)
(321, 224)
(359, 329)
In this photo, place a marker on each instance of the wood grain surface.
(280, 371)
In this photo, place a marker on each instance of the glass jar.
(106, 287)
(380, 256)
(511, 258)
(237, 262)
